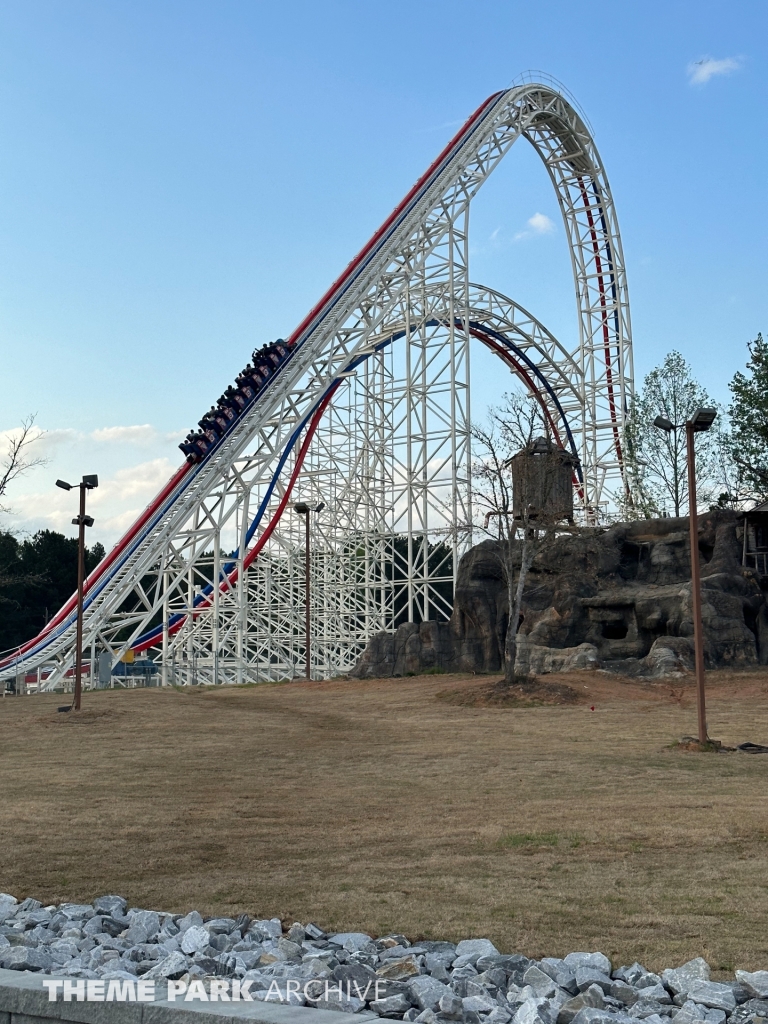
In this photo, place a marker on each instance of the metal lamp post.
(701, 420)
(303, 509)
(88, 484)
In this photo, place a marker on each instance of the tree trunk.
(515, 590)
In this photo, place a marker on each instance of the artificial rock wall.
(618, 598)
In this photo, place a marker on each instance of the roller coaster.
(365, 410)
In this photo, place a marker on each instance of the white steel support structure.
(371, 416)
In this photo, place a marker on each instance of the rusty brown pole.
(80, 583)
(306, 596)
(698, 633)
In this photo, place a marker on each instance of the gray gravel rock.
(356, 974)
(690, 1012)
(188, 921)
(712, 993)
(535, 1011)
(172, 966)
(437, 967)
(648, 980)
(586, 976)
(113, 906)
(292, 950)
(479, 1003)
(195, 939)
(595, 961)
(542, 984)
(560, 973)
(591, 997)
(515, 966)
(645, 1008)
(754, 1010)
(336, 1000)
(350, 940)
(450, 1006)
(396, 1006)
(426, 992)
(756, 983)
(93, 926)
(76, 911)
(24, 958)
(654, 994)
(399, 970)
(476, 947)
(593, 1016)
(680, 979)
(149, 920)
(624, 992)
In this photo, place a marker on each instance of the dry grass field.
(381, 806)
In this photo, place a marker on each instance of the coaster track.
(369, 411)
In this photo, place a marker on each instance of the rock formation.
(618, 597)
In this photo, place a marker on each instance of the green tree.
(37, 576)
(748, 439)
(656, 460)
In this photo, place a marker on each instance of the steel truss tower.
(371, 415)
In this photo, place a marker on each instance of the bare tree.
(519, 528)
(17, 460)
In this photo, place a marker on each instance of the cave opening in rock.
(614, 630)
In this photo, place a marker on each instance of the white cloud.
(115, 504)
(538, 224)
(700, 71)
(133, 462)
(140, 434)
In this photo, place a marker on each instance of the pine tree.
(748, 412)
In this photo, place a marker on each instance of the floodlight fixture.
(703, 419)
(663, 423)
(64, 485)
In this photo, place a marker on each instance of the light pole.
(701, 420)
(303, 509)
(88, 484)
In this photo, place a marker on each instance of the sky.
(181, 180)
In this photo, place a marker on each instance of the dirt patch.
(691, 745)
(525, 693)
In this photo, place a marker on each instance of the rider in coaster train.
(209, 431)
(259, 374)
(226, 410)
(209, 424)
(219, 418)
(188, 447)
(246, 384)
(234, 395)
